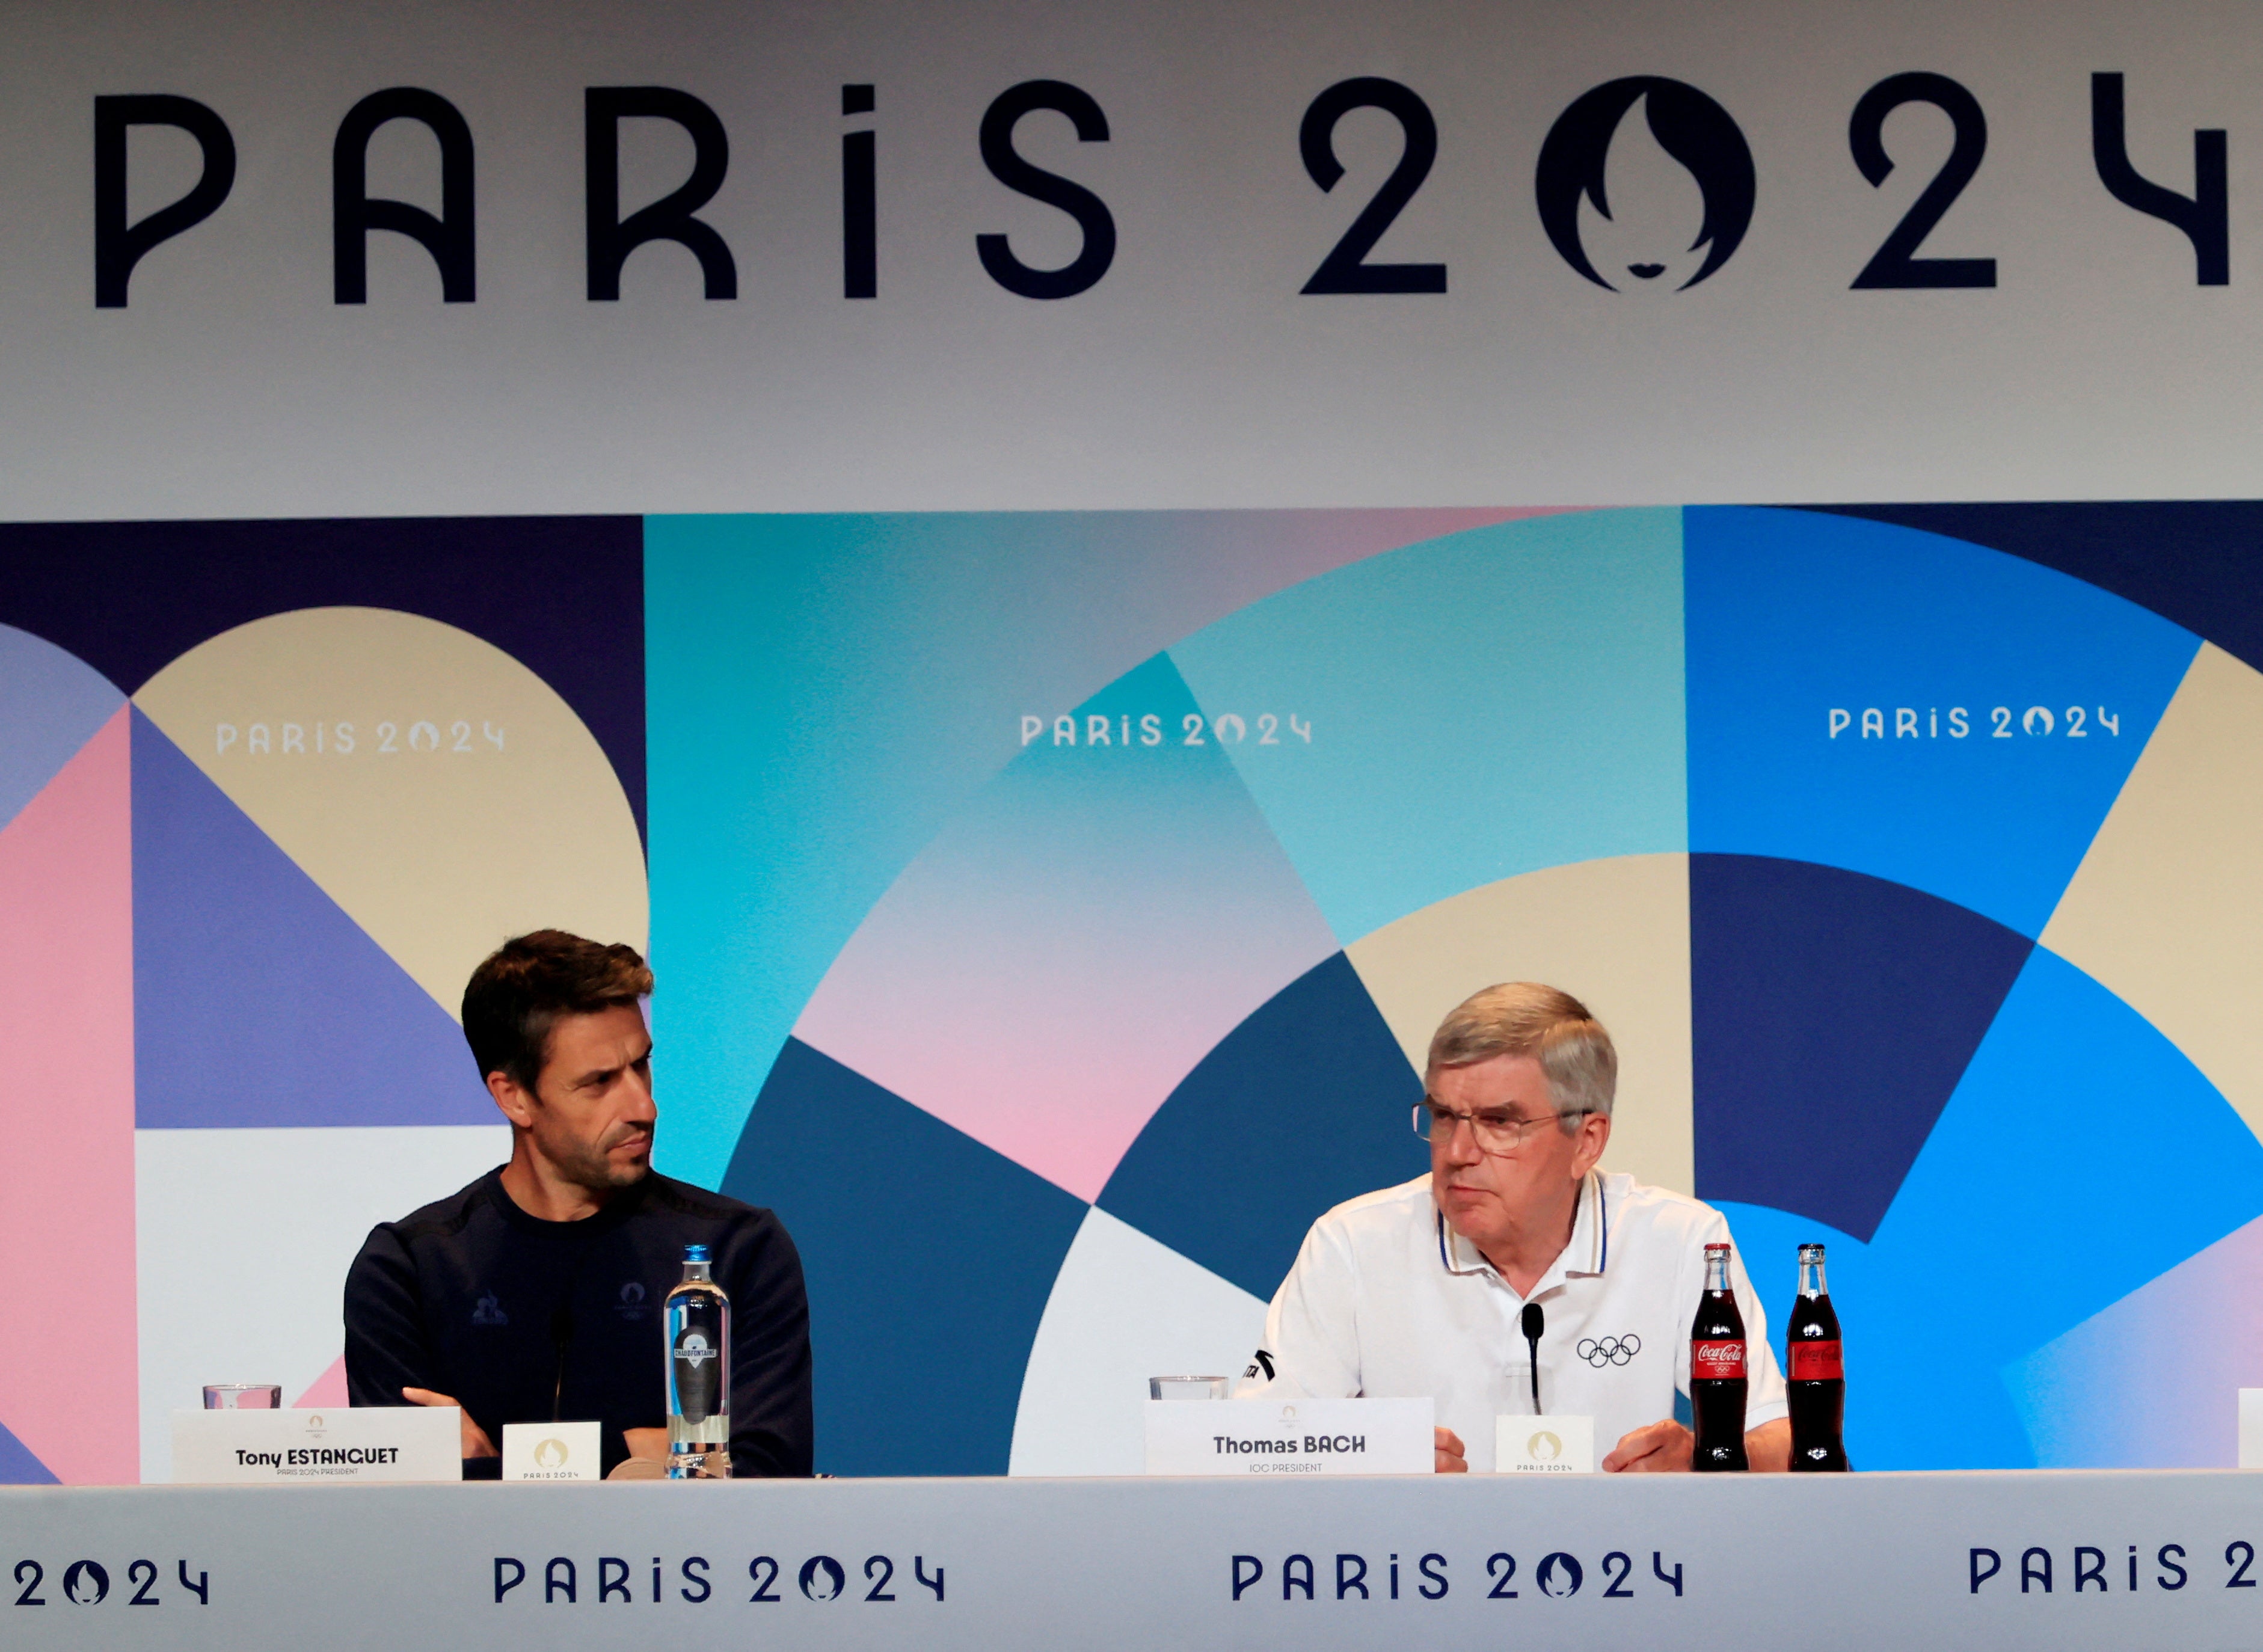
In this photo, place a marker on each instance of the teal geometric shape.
(1479, 706)
(822, 692)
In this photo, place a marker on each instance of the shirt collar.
(1587, 1255)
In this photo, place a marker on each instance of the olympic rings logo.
(1609, 1350)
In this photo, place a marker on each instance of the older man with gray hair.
(1421, 1289)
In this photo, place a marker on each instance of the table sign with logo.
(1532, 1444)
(1695, 1562)
(390, 1443)
(1290, 1437)
(550, 1451)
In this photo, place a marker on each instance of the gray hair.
(1523, 1017)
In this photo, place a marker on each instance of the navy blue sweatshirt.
(524, 1320)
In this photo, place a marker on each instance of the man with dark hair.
(535, 1295)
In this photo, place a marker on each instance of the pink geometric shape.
(68, 1365)
(327, 1391)
(2153, 1381)
(1062, 954)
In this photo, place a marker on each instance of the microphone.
(1534, 1323)
(561, 1334)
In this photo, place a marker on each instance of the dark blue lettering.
(1007, 166)
(118, 247)
(353, 214)
(2167, 1549)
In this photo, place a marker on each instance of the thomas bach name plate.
(374, 1442)
(1290, 1437)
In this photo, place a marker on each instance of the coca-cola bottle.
(1716, 1371)
(1818, 1380)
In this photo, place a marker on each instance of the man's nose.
(641, 1108)
(1461, 1146)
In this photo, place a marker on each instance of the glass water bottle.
(699, 1328)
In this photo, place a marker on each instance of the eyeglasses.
(1495, 1133)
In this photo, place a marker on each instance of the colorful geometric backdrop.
(1050, 911)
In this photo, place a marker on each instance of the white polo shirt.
(1386, 1301)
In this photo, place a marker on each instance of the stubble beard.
(591, 1165)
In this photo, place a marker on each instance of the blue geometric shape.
(19, 1467)
(2082, 1156)
(564, 596)
(928, 1260)
(1538, 663)
(1831, 1016)
(2197, 561)
(50, 704)
(1799, 623)
(1302, 1106)
(257, 1000)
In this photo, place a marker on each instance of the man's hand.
(476, 1443)
(1665, 1448)
(1768, 1448)
(651, 1444)
(1662, 1447)
(1450, 1456)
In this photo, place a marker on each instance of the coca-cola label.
(1710, 1358)
(1815, 1362)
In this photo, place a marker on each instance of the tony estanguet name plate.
(390, 1442)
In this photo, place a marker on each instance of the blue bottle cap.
(695, 1253)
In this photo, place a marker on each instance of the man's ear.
(1595, 1137)
(510, 1096)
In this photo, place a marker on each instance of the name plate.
(1544, 1444)
(1290, 1437)
(296, 1448)
(550, 1451)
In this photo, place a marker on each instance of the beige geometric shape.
(1614, 934)
(2166, 909)
(438, 791)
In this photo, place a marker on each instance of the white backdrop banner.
(2001, 1561)
(318, 260)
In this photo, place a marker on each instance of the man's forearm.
(1768, 1448)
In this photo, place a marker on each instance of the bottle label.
(1715, 1359)
(1816, 1362)
(697, 1389)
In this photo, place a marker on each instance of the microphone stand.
(561, 1335)
(1533, 1322)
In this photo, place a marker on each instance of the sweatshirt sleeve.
(772, 1433)
(385, 1338)
(387, 1349)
